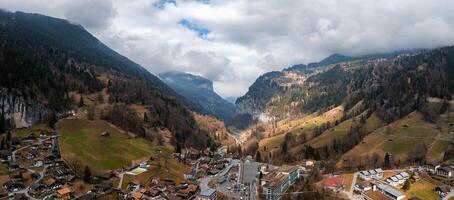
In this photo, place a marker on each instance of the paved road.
(121, 176)
(350, 190)
(13, 154)
(204, 181)
(41, 174)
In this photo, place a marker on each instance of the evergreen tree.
(213, 147)
(145, 117)
(2, 123)
(81, 101)
(8, 137)
(258, 157)
(87, 174)
(287, 139)
(52, 119)
(2, 144)
(407, 185)
(178, 148)
(387, 163)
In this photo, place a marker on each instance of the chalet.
(443, 190)
(191, 154)
(60, 163)
(64, 193)
(48, 143)
(49, 181)
(209, 194)
(213, 171)
(32, 154)
(30, 138)
(174, 197)
(154, 192)
(169, 182)
(49, 160)
(38, 162)
(446, 171)
(371, 174)
(17, 177)
(106, 174)
(430, 168)
(398, 179)
(15, 141)
(54, 184)
(5, 154)
(37, 187)
(390, 191)
(363, 187)
(103, 187)
(191, 190)
(34, 176)
(414, 178)
(44, 134)
(105, 134)
(13, 167)
(12, 186)
(18, 197)
(137, 196)
(334, 183)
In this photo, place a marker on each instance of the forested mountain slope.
(56, 64)
(371, 93)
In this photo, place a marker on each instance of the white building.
(209, 194)
(446, 171)
(390, 191)
(277, 182)
(398, 179)
(371, 174)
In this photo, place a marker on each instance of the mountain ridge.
(199, 91)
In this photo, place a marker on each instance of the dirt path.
(433, 143)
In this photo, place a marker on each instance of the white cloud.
(248, 38)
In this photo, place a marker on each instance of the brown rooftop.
(288, 168)
(274, 178)
(64, 191)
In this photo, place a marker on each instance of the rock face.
(199, 91)
(19, 112)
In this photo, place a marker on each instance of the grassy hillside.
(81, 141)
(403, 137)
(299, 126)
(331, 134)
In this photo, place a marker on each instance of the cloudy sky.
(232, 42)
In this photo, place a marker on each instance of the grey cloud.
(91, 14)
(253, 37)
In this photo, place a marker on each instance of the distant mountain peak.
(199, 90)
(183, 78)
(331, 59)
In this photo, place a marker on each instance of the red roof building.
(334, 183)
